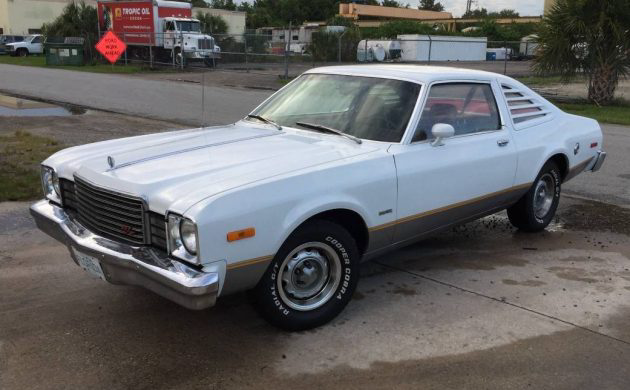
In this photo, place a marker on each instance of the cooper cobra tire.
(311, 278)
(535, 210)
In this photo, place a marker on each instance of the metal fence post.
(127, 47)
(366, 50)
(286, 52)
(245, 48)
(181, 49)
(505, 58)
(430, 47)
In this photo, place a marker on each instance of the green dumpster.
(67, 52)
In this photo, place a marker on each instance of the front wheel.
(535, 210)
(22, 52)
(311, 278)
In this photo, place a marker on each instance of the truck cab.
(184, 38)
(32, 44)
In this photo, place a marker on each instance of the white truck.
(161, 30)
(32, 44)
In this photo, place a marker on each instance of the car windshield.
(30, 38)
(187, 26)
(370, 108)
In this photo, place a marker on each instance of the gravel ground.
(92, 126)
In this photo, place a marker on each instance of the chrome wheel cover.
(309, 276)
(544, 194)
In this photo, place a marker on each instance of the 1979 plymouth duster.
(341, 165)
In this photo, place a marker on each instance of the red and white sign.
(132, 21)
(139, 22)
(111, 47)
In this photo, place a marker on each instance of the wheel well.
(563, 163)
(349, 220)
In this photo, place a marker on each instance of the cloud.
(458, 7)
(525, 8)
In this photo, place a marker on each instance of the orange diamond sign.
(111, 47)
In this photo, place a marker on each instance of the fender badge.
(576, 149)
(111, 162)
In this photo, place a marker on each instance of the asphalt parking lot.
(479, 306)
(482, 306)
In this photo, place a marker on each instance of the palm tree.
(590, 37)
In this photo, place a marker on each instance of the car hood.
(178, 169)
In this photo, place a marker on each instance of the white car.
(32, 44)
(341, 165)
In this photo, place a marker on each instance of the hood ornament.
(111, 162)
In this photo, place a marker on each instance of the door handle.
(503, 142)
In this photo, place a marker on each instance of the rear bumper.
(599, 161)
(130, 265)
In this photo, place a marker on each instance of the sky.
(458, 7)
(523, 7)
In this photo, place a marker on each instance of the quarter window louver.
(524, 108)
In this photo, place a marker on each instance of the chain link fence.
(286, 56)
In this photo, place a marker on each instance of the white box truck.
(163, 29)
(417, 47)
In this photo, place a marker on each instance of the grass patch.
(21, 154)
(539, 80)
(617, 113)
(40, 61)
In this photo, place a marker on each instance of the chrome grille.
(158, 230)
(205, 44)
(109, 213)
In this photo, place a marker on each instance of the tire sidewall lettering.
(342, 289)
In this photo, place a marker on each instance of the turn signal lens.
(241, 234)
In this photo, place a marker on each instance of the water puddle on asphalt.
(12, 106)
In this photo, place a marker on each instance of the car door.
(36, 45)
(469, 175)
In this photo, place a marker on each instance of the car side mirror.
(441, 131)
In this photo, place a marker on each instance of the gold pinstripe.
(451, 206)
(249, 262)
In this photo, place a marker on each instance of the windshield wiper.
(268, 121)
(326, 129)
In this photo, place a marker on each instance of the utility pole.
(469, 4)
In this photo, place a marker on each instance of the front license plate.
(90, 264)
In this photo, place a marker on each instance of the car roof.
(417, 73)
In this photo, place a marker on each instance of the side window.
(37, 40)
(468, 107)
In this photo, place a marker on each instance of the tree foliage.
(224, 4)
(431, 5)
(212, 24)
(482, 13)
(589, 36)
(76, 20)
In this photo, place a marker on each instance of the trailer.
(164, 30)
(417, 47)
(378, 50)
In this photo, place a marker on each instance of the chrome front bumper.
(130, 265)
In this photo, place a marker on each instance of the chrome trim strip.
(577, 169)
(246, 263)
(123, 165)
(451, 206)
(131, 265)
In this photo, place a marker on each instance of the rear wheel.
(535, 210)
(311, 278)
